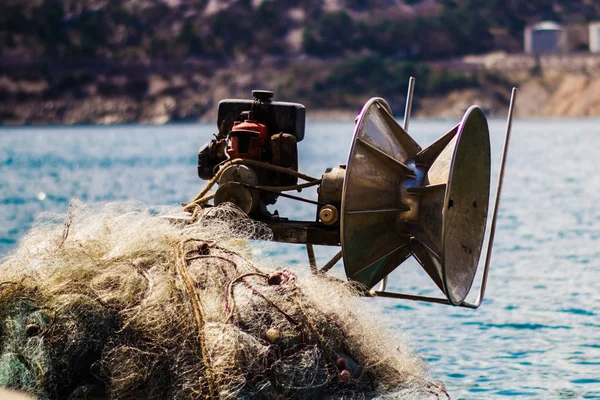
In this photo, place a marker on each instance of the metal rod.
(292, 187)
(383, 284)
(311, 258)
(331, 263)
(409, 98)
(407, 112)
(380, 293)
(438, 300)
(380, 211)
(488, 256)
(289, 196)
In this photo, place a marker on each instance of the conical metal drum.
(399, 200)
(466, 205)
(372, 230)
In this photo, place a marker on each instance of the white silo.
(595, 37)
(545, 37)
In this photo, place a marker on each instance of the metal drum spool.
(400, 200)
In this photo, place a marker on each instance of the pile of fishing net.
(115, 301)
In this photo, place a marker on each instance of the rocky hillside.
(330, 89)
(568, 95)
(103, 61)
(158, 93)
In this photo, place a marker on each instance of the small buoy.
(272, 334)
(41, 196)
(344, 376)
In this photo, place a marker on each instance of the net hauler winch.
(391, 201)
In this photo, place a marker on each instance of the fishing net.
(115, 301)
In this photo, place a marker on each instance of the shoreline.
(31, 97)
(320, 120)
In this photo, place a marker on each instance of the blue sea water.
(537, 334)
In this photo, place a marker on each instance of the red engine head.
(247, 140)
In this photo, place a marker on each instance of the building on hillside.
(545, 37)
(595, 37)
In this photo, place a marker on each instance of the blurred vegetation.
(225, 30)
(387, 77)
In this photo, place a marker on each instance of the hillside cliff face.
(557, 94)
(193, 95)
(565, 95)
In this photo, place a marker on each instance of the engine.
(260, 130)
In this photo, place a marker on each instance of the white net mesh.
(114, 301)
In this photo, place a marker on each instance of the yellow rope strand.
(196, 304)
